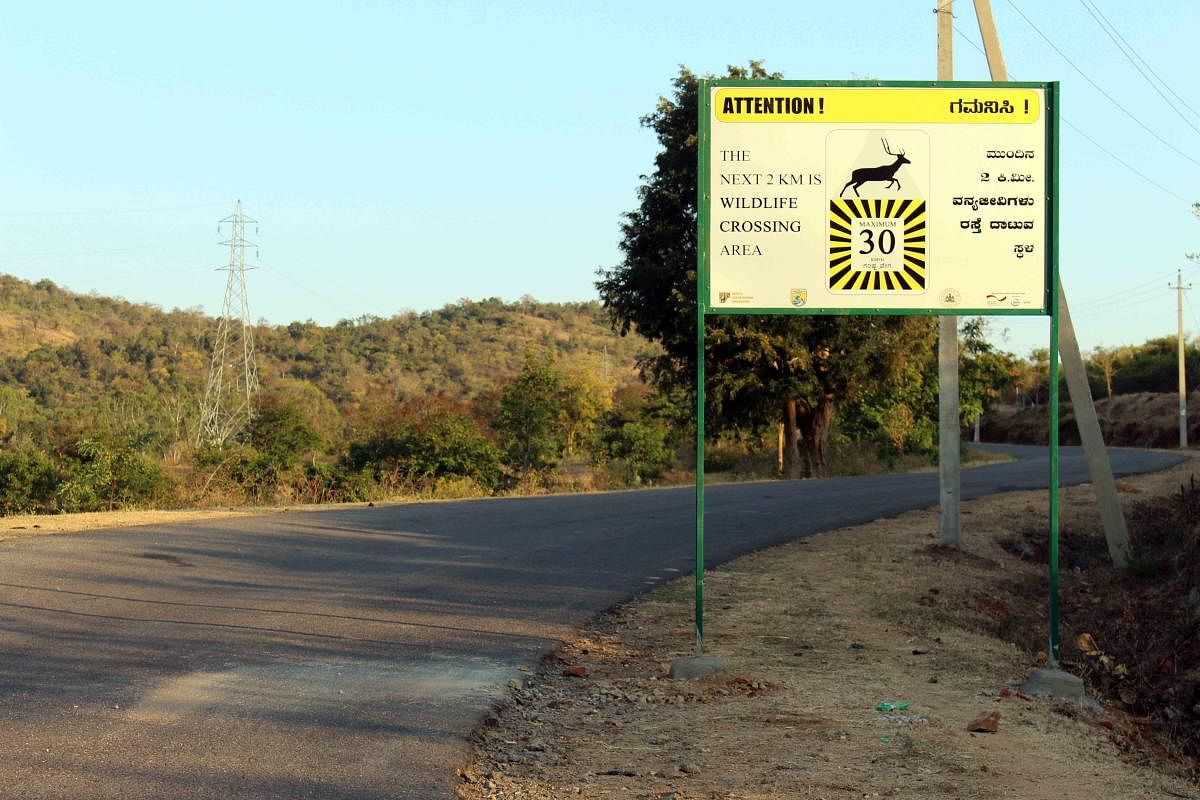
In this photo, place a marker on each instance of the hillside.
(72, 364)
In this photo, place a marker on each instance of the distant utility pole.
(228, 403)
(1179, 287)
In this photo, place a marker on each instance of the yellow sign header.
(877, 104)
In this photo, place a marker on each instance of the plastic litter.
(904, 719)
(888, 707)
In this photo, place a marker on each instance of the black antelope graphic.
(887, 172)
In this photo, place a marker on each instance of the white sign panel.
(926, 198)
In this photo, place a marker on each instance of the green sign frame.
(1048, 180)
(1049, 305)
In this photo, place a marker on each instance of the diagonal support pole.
(1115, 531)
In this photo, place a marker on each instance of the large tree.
(985, 372)
(761, 369)
(530, 418)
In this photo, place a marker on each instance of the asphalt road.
(348, 653)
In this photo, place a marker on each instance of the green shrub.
(335, 483)
(27, 483)
(256, 473)
(457, 487)
(530, 417)
(639, 446)
(102, 476)
(280, 433)
(427, 447)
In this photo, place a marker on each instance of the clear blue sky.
(401, 155)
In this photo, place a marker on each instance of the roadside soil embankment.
(1142, 419)
(818, 634)
(22, 525)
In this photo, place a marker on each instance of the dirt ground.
(21, 526)
(817, 634)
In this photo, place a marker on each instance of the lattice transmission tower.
(228, 404)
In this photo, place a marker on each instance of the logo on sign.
(799, 297)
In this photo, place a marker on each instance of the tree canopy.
(763, 370)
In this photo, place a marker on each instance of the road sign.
(931, 198)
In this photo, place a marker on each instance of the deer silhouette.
(886, 172)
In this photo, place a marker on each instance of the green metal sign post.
(874, 198)
(700, 312)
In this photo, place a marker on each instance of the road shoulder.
(818, 634)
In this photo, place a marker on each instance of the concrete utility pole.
(1179, 287)
(991, 42)
(949, 461)
(1115, 531)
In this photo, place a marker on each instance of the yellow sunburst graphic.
(877, 245)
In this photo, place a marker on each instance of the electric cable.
(1098, 88)
(1116, 299)
(1188, 302)
(322, 296)
(1088, 7)
(61, 253)
(107, 212)
(1080, 131)
(1145, 63)
(1116, 310)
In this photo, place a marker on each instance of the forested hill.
(72, 363)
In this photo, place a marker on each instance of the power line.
(1191, 310)
(1099, 89)
(92, 274)
(1155, 282)
(1122, 161)
(1129, 291)
(108, 212)
(1119, 300)
(323, 296)
(1117, 309)
(1096, 15)
(1119, 297)
(1132, 291)
(1128, 300)
(57, 253)
(1080, 131)
(1138, 55)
